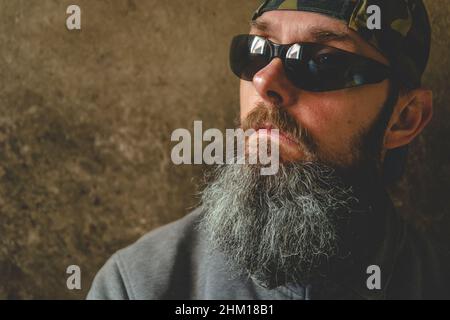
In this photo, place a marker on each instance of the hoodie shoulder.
(157, 266)
(423, 266)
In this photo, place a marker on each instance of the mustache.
(263, 116)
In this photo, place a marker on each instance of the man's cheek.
(330, 138)
(316, 122)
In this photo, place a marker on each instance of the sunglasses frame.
(379, 71)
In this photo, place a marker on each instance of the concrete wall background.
(86, 118)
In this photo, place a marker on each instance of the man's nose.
(273, 86)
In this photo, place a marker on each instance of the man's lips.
(290, 148)
(281, 136)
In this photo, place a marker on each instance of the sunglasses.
(309, 66)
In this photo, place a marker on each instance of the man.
(346, 96)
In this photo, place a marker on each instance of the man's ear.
(412, 113)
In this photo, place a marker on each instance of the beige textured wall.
(86, 118)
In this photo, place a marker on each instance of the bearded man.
(347, 100)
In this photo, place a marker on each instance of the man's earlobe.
(411, 115)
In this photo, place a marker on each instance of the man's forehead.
(299, 24)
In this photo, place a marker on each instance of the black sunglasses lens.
(318, 69)
(248, 55)
(324, 68)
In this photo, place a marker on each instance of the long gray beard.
(275, 229)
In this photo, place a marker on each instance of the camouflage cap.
(404, 36)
